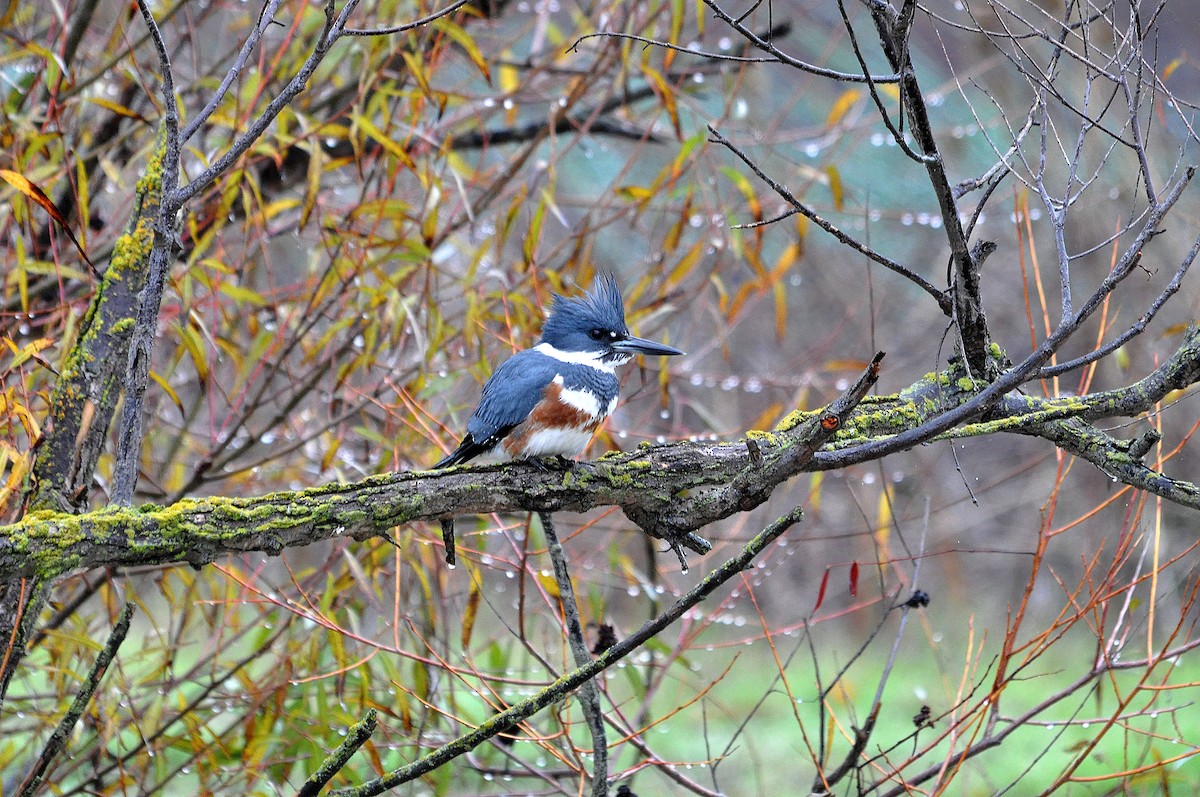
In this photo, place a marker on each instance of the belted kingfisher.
(549, 400)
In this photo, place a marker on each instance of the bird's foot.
(555, 464)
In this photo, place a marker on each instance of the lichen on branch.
(670, 491)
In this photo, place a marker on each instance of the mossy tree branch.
(649, 484)
(671, 491)
(83, 402)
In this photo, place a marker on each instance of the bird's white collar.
(593, 359)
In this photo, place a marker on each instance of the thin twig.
(1021, 372)
(572, 680)
(416, 23)
(924, 284)
(265, 19)
(885, 117)
(87, 690)
(1136, 329)
(325, 39)
(589, 694)
(784, 58)
(668, 46)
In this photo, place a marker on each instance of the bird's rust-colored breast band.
(549, 413)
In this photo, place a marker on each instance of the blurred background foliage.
(341, 294)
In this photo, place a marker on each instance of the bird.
(548, 401)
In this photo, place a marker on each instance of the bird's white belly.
(557, 442)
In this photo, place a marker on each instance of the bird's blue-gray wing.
(510, 395)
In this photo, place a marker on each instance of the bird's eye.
(599, 334)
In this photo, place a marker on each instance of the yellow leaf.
(780, 295)
(667, 94)
(678, 12)
(170, 393)
(9, 406)
(83, 199)
(332, 446)
(21, 273)
(687, 262)
(788, 257)
(117, 108)
(385, 141)
(16, 473)
(634, 193)
(474, 595)
(548, 583)
(380, 208)
(27, 351)
(416, 68)
(273, 209)
(883, 516)
(240, 293)
(814, 491)
(842, 106)
(835, 185)
(192, 342)
(534, 236)
(845, 365)
(510, 78)
(464, 40)
(312, 183)
(48, 56)
(420, 681)
(743, 185)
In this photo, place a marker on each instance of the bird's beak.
(632, 345)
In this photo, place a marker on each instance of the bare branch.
(58, 739)
(1136, 329)
(325, 40)
(668, 46)
(572, 680)
(783, 58)
(416, 23)
(589, 693)
(266, 18)
(939, 296)
(137, 373)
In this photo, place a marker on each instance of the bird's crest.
(601, 307)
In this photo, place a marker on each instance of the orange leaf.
(1171, 67)
(118, 109)
(22, 184)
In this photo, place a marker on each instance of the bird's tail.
(467, 450)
